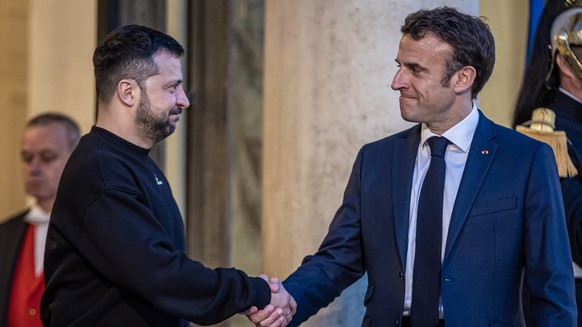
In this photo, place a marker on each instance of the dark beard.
(150, 126)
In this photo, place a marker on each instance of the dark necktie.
(427, 263)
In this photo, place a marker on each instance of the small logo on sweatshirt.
(158, 181)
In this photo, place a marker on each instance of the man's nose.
(182, 99)
(398, 80)
(34, 166)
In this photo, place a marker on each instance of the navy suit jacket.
(507, 224)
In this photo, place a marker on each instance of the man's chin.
(170, 129)
(406, 115)
(36, 194)
(34, 189)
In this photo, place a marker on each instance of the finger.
(274, 318)
(283, 321)
(279, 323)
(288, 314)
(275, 288)
(275, 284)
(250, 311)
(262, 314)
(274, 280)
(293, 305)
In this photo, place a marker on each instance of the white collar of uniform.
(37, 216)
(459, 135)
(570, 95)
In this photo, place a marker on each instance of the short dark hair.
(128, 52)
(71, 127)
(469, 37)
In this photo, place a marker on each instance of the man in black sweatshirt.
(115, 253)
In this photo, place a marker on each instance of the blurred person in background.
(47, 143)
(553, 80)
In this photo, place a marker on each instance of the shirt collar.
(37, 216)
(459, 135)
(570, 95)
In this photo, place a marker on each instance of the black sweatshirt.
(115, 251)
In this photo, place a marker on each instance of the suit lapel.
(479, 161)
(402, 170)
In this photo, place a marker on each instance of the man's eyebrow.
(174, 82)
(415, 66)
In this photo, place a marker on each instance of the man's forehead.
(47, 133)
(168, 65)
(421, 49)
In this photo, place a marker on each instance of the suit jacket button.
(401, 274)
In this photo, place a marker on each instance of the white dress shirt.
(460, 137)
(40, 220)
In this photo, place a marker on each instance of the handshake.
(279, 312)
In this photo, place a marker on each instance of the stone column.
(14, 25)
(14, 22)
(60, 71)
(328, 68)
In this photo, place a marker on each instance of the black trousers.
(406, 322)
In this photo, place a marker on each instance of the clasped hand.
(279, 312)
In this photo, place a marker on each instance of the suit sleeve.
(339, 261)
(548, 262)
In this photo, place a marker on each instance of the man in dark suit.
(47, 143)
(499, 217)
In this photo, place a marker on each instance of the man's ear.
(463, 79)
(128, 92)
(564, 66)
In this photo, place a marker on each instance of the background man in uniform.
(553, 80)
(47, 142)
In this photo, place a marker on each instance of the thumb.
(275, 284)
